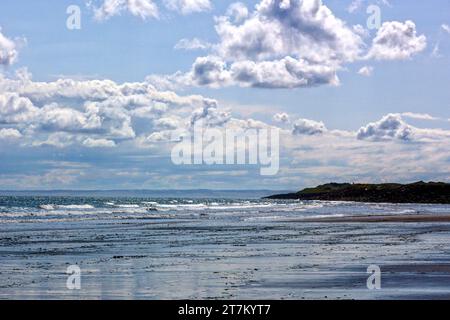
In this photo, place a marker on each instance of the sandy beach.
(405, 218)
(221, 249)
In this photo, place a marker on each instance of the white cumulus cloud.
(238, 12)
(281, 117)
(420, 116)
(192, 44)
(281, 44)
(99, 143)
(66, 111)
(10, 134)
(366, 71)
(8, 50)
(140, 8)
(289, 44)
(397, 41)
(390, 126)
(308, 127)
(188, 6)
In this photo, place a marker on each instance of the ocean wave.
(405, 211)
(76, 206)
(264, 218)
(47, 207)
(151, 203)
(127, 206)
(320, 216)
(239, 206)
(180, 207)
(51, 207)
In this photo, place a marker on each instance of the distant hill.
(419, 192)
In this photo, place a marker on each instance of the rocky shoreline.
(419, 192)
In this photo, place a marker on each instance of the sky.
(93, 92)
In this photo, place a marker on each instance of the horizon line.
(117, 190)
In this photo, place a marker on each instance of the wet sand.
(191, 260)
(406, 218)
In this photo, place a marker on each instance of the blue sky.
(126, 48)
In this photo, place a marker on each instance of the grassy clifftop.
(419, 192)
